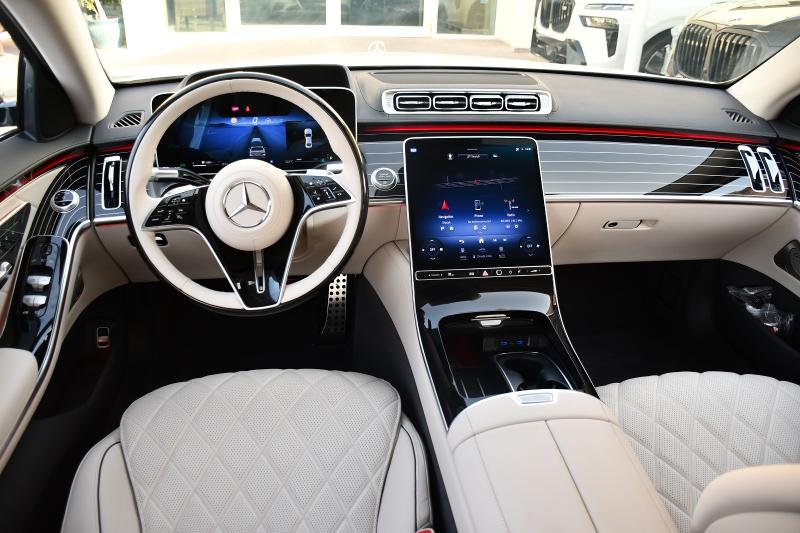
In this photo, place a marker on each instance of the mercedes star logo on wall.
(247, 204)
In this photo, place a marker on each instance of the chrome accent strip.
(671, 198)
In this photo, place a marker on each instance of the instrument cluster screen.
(236, 126)
(476, 207)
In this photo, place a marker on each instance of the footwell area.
(158, 337)
(636, 319)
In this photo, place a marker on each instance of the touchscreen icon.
(478, 205)
(445, 206)
(308, 134)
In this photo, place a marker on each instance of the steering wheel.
(251, 213)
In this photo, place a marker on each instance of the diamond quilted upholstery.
(264, 450)
(689, 428)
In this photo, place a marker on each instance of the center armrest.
(551, 460)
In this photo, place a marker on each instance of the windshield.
(703, 40)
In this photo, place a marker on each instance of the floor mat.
(638, 319)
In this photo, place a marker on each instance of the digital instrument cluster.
(236, 126)
(476, 208)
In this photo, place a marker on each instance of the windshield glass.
(703, 40)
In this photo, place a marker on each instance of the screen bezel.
(409, 208)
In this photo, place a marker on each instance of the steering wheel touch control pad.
(175, 209)
(323, 189)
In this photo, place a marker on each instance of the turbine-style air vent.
(738, 117)
(131, 118)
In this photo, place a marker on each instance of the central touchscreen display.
(476, 207)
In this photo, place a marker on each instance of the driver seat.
(263, 450)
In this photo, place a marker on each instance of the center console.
(483, 283)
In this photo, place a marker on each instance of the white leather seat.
(688, 429)
(264, 450)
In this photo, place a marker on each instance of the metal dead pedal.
(335, 327)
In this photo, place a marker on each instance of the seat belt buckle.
(426, 530)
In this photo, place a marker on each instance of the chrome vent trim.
(467, 101)
(129, 119)
(522, 103)
(486, 102)
(450, 102)
(412, 102)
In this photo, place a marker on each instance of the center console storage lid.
(552, 460)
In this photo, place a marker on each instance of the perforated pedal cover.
(335, 327)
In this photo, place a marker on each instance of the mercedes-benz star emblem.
(247, 204)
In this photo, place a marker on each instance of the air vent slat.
(412, 102)
(738, 117)
(131, 118)
(486, 102)
(522, 102)
(450, 102)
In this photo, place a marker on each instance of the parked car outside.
(725, 41)
(603, 34)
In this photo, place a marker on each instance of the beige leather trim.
(769, 88)
(101, 497)
(757, 522)
(759, 498)
(18, 371)
(669, 231)
(560, 465)
(405, 503)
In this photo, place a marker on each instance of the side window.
(9, 66)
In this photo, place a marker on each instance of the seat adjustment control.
(34, 301)
(38, 282)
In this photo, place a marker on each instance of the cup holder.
(531, 370)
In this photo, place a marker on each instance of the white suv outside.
(631, 35)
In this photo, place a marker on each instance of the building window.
(196, 15)
(475, 17)
(382, 12)
(282, 11)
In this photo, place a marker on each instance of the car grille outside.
(732, 54)
(691, 50)
(556, 14)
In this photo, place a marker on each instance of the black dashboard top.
(578, 99)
